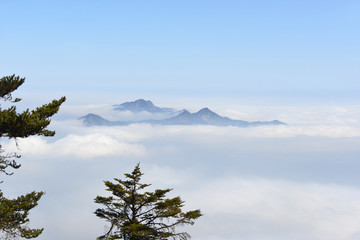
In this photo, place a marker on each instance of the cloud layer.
(125, 141)
(268, 209)
(298, 181)
(87, 146)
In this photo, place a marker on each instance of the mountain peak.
(141, 105)
(92, 119)
(91, 115)
(143, 101)
(205, 110)
(184, 112)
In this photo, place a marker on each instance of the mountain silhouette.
(207, 117)
(142, 105)
(203, 117)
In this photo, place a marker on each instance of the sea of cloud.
(297, 181)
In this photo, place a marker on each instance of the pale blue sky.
(183, 47)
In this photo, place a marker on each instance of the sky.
(295, 61)
(184, 48)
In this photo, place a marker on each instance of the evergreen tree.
(135, 214)
(14, 212)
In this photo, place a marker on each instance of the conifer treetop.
(27, 123)
(135, 214)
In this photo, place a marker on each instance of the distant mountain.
(207, 117)
(96, 120)
(142, 105)
(203, 117)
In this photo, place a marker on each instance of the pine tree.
(135, 214)
(14, 212)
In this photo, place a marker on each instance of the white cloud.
(331, 131)
(85, 142)
(95, 145)
(78, 146)
(280, 209)
(283, 131)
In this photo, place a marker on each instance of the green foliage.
(14, 212)
(8, 84)
(21, 125)
(27, 123)
(135, 214)
(14, 215)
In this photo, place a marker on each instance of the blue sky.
(295, 61)
(184, 48)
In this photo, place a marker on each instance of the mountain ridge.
(203, 117)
